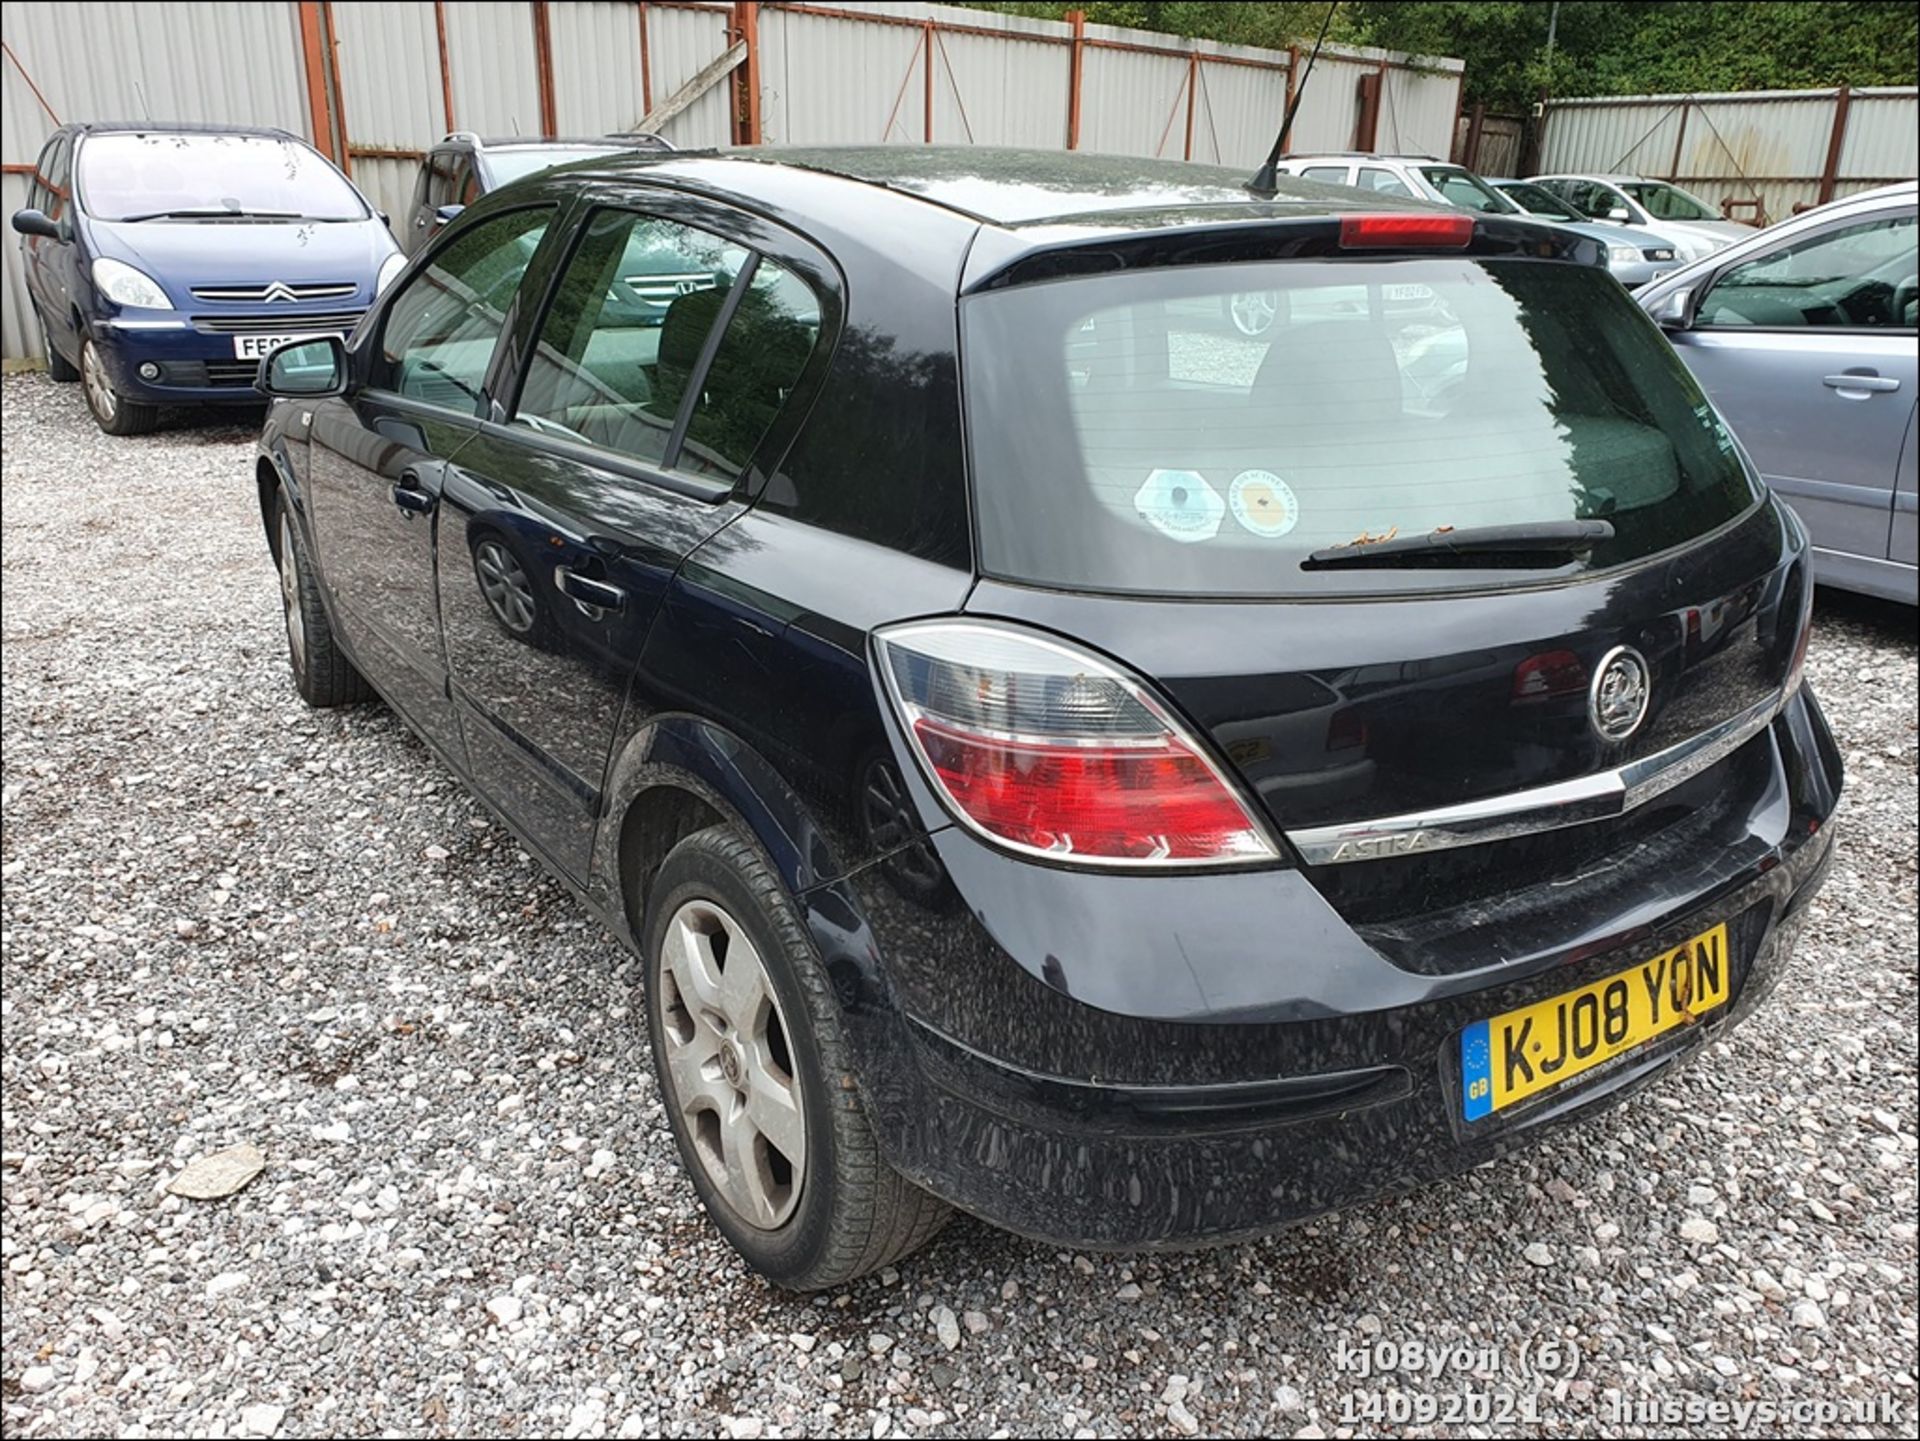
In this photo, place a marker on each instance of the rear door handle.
(589, 591)
(410, 493)
(1862, 381)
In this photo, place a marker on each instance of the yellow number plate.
(1520, 1053)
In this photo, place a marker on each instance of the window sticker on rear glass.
(1263, 503)
(1180, 505)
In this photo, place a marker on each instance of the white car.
(1694, 227)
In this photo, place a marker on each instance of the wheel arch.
(680, 774)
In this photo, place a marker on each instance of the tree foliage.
(1602, 47)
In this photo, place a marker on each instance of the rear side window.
(1129, 433)
(439, 333)
(1326, 174)
(623, 337)
(759, 359)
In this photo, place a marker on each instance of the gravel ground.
(229, 919)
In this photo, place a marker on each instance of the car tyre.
(112, 412)
(321, 672)
(716, 905)
(58, 366)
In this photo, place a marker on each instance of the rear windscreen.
(1202, 430)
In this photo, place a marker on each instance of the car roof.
(1011, 189)
(178, 127)
(558, 142)
(1367, 155)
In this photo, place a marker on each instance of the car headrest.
(1340, 372)
(682, 332)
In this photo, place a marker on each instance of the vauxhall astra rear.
(1147, 782)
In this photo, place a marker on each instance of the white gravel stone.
(263, 1418)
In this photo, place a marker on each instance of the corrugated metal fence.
(1759, 155)
(375, 82)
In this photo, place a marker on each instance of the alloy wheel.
(93, 374)
(730, 1066)
(290, 595)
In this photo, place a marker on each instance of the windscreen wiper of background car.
(212, 215)
(1543, 545)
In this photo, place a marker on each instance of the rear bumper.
(998, 1086)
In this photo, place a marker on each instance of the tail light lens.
(1545, 677)
(1052, 751)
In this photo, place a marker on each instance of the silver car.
(1804, 337)
(1633, 258)
(1685, 221)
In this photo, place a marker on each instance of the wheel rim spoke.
(728, 1064)
(773, 1109)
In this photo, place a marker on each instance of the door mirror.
(1619, 214)
(306, 369)
(446, 214)
(38, 222)
(1673, 311)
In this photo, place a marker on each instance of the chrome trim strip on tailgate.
(1544, 808)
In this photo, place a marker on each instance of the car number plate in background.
(258, 347)
(1520, 1053)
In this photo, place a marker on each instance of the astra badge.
(1621, 688)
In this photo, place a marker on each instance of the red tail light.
(1052, 751)
(1406, 232)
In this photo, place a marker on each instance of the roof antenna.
(514, 121)
(1265, 182)
(145, 109)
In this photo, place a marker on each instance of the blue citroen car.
(164, 260)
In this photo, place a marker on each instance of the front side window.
(1126, 435)
(439, 333)
(1864, 276)
(161, 176)
(625, 333)
(1668, 202)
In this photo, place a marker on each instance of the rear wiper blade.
(1506, 544)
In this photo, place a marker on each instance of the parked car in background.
(1655, 207)
(1635, 256)
(164, 260)
(1054, 754)
(1631, 257)
(463, 167)
(1804, 337)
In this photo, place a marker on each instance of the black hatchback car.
(1055, 754)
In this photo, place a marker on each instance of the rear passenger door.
(666, 351)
